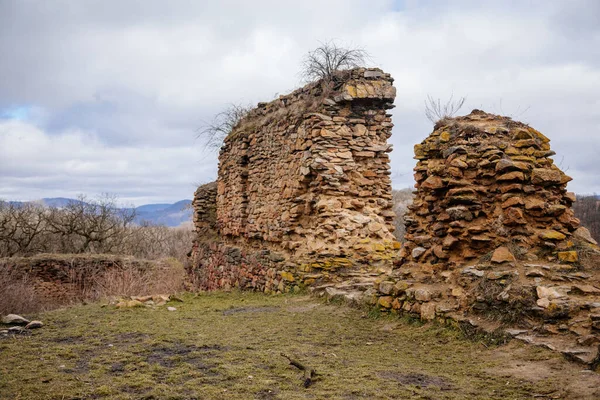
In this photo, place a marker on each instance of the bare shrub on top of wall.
(215, 131)
(329, 58)
(436, 111)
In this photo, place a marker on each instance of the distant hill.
(165, 214)
(159, 214)
(58, 201)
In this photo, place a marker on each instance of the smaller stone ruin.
(303, 194)
(491, 236)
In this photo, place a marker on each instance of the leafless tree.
(21, 228)
(157, 241)
(436, 111)
(329, 58)
(216, 131)
(88, 225)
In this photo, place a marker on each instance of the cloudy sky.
(106, 96)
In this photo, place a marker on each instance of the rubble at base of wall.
(216, 265)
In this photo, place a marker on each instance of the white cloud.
(119, 89)
(35, 164)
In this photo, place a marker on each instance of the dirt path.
(227, 346)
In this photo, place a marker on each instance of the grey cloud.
(119, 88)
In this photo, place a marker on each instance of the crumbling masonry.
(492, 240)
(303, 198)
(303, 192)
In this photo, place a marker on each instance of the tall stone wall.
(491, 234)
(306, 177)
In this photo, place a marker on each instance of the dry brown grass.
(17, 294)
(22, 293)
(130, 281)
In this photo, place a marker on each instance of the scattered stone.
(568, 256)
(495, 275)
(533, 273)
(544, 292)
(171, 309)
(585, 289)
(584, 234)
(130, 304)
(417, 252)
(34, 325)
(503, 255)
(544, 303)
(516, 332)
(14, 319)
(473, 271)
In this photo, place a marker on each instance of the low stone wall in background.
(65, 277)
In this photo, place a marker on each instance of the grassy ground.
(228, 345)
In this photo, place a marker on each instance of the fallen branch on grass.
(309, 373)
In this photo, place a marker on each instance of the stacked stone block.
(484, 181)
(205, 210)
(491, 233)
(306, 177)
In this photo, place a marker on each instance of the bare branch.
(216, 131)
(436, 111)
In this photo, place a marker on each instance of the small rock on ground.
(14, 319)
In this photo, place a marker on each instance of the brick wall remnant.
(306, 178)
(491, 233)
(205, 209)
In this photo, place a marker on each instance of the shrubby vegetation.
(587, 209)
(86, 226)
(329, 59)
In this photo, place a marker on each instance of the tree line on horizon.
(93, 226)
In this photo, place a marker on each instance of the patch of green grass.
(229, 345)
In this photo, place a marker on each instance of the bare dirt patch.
(250, 310)
(537, 365)
(419, 380)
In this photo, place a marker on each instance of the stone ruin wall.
(491, 236)
(304, 197)
(303, 189)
